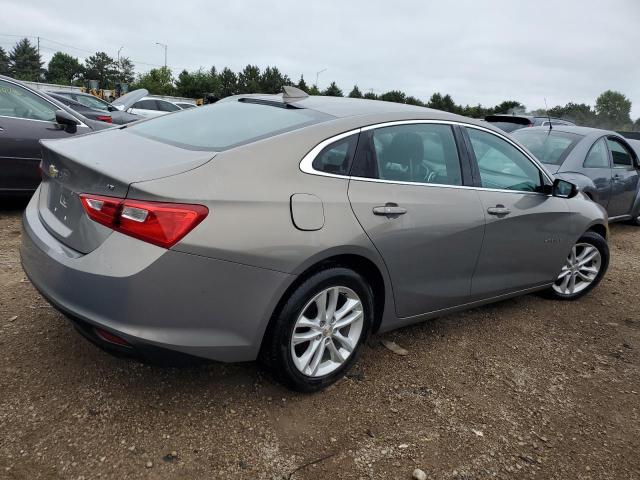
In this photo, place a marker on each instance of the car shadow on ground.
(10, 204)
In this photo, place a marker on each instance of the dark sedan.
(601, 162)
(511, 123)
(92, 113)
(117, 109)
(26, 116)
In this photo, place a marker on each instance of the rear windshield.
(225, 125)
(549, 146)
(507, 126)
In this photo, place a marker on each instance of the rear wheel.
(318, 332)
(636, 220)
(583, 269)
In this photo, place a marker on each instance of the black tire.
(601, 244)
(635, 220)
(276, 352)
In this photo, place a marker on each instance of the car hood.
(127, 100)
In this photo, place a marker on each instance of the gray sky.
(477, 51)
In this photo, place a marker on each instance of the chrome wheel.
(580, 270)
(327, 331)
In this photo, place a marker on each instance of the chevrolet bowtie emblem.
(53, 171)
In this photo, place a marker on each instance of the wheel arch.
(371, 270)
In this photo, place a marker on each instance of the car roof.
(585, 131)
(344, 108)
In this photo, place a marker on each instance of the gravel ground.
(528, 388)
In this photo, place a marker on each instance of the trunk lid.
(104, 164)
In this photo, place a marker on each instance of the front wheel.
(316, 336)
(583, 269)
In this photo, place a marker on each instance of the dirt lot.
(528, 388)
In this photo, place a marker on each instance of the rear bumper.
(154, 297)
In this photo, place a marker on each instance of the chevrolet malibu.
(289, 228)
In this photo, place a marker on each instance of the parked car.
(26, 116)
(116, 109)
(185, 105)
(88, 112)
(153, 107)
(290, 227)
(511, 123)
(600, 162)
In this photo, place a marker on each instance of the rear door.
(25, 118)
(408, 192)
(526, 239)
(624, 178)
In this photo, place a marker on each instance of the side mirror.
(564, 189)
(68, 121)
(111, 108)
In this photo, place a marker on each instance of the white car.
(153, 107)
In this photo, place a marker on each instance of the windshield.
(225, 125)
(549, 146)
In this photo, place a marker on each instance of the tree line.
(611, 110)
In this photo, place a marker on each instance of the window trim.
(306, 164)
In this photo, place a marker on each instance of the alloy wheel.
(580, 270)
(327, 331)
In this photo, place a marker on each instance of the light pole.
(118, 64)
(165, 52)
(317, 75)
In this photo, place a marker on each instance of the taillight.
(104, 118)
(163, 224)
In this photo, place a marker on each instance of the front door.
(624, 178)
(25, 118)
(526, 240)
(407, 193)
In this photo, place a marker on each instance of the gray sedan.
(289, 228)
(600, 162)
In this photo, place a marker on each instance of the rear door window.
(167, 106)
(415, 153)
(146, 105)
(226, 124)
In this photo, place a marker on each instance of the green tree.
(414, 101)
(579, 113)
(314, 90)
(125, 71)
(63, 69)
(393, 96)
(272, 81)
(509, 106)
(4, 62)
(444, 103)
(249, 80)
(355, 92)
(25, 62)
(613, 110)
(302, 85)
(228, 83)
(100, 67)
(370, 96)
(636, 125)
(197, 84)
(159, 81)
(333, 91)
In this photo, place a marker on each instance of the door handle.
(498, 210)
(390, 210)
